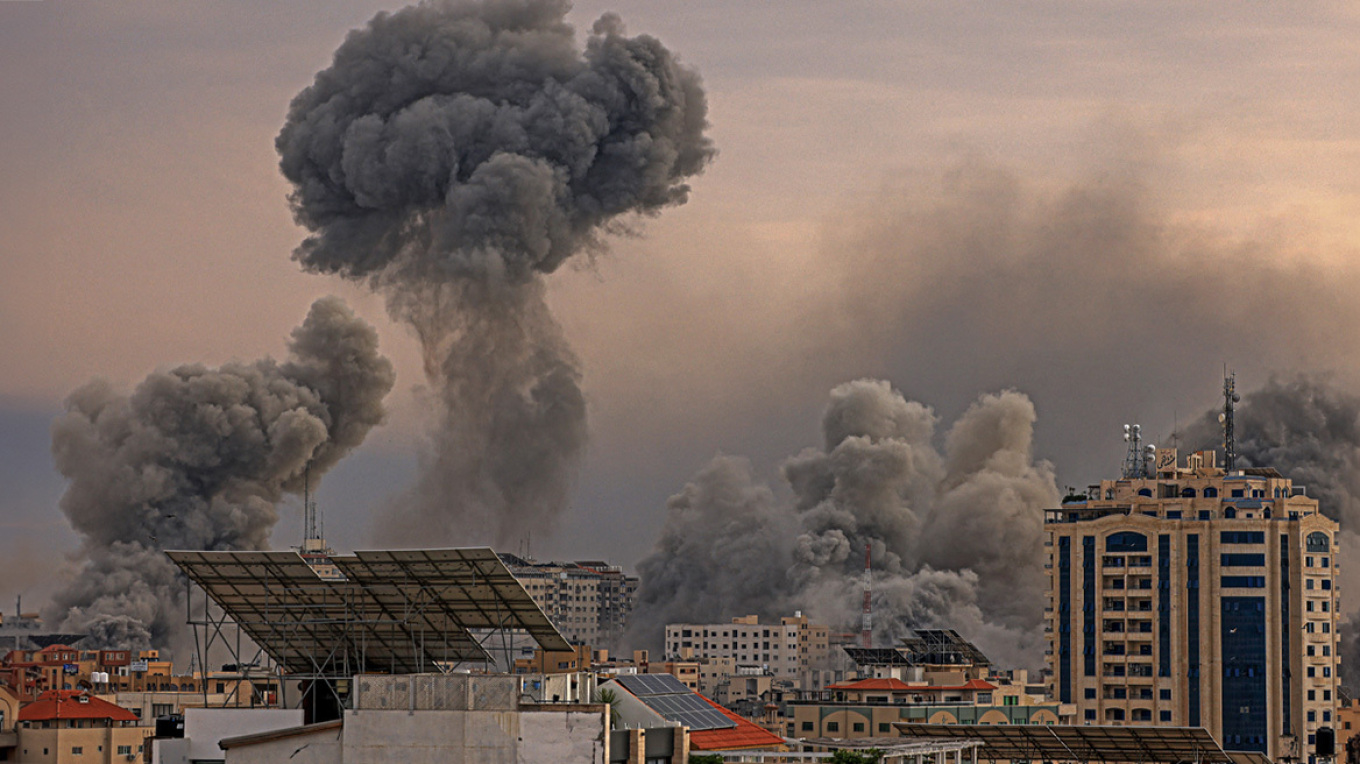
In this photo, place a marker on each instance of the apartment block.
(1191, 595)
(588, 601)
(793, 650)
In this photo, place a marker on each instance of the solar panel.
(399, 612)
(643, 685)
(670, 697)
(1023, 742)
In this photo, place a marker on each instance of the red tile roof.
(743, 736)
(66, 704)
(897, 685)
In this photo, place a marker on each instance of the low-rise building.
(794, 649)
(74, 727)
(437, 717)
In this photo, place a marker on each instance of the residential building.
(868, 708)
(588, 601)
(794, 649)
(1187, 595)
(74, 727)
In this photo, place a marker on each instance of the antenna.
(1230, 398)
(1136, 459)
(867, 619)
(309, 531)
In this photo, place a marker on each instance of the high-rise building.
(588, 601)
(1190, 595)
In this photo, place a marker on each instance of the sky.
(1099, 204)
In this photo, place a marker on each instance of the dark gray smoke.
(198, 458)
(1305, 427)
(955, 534)
(452, 155)
(1308, 429)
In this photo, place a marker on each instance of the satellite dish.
(1237, 398)
(1222, 418)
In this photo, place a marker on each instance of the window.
(1318, 542)
(1165, 716)
(1165, 694)
(833, 727)
(884, 727)
(1240, 560)
(859, 726)
(77, 750)
(1090, 693)
(1242, 537)
(808, 727)
(1090, 716)
(124, 750)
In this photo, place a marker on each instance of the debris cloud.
(453, 155)
(955, 532)
(198, 458)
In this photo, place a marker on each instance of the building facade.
(792, 650)
(1191, 596)
(589, 602)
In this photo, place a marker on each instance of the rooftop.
(73, 704)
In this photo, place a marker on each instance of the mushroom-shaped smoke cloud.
(452, 155)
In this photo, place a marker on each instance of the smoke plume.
(452, 155)
(198, 458)
(955, 533)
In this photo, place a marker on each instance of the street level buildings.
(1184, 594)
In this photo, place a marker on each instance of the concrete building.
(418, 718)
(74, 727)
(793, 650)
(588, 601)
(1189, 595)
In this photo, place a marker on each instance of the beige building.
(74, 727)
(589, 602)
(1185, 595)
(793, 650)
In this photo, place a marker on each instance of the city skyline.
(1122, 158)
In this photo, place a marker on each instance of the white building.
(793, 649)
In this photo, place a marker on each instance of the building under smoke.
(954, 524)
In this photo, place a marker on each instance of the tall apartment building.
(588, 601)
(1189, 595)
(794, 649)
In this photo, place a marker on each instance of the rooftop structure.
(397, 612)
(1170, 745)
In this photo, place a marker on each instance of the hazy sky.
(1098, 203)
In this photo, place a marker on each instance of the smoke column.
(452, 155)
(198, 458)
(956, 532)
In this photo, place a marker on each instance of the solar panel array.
(669, 697)
(395, 612)
(1033, 742)
(643, 685)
